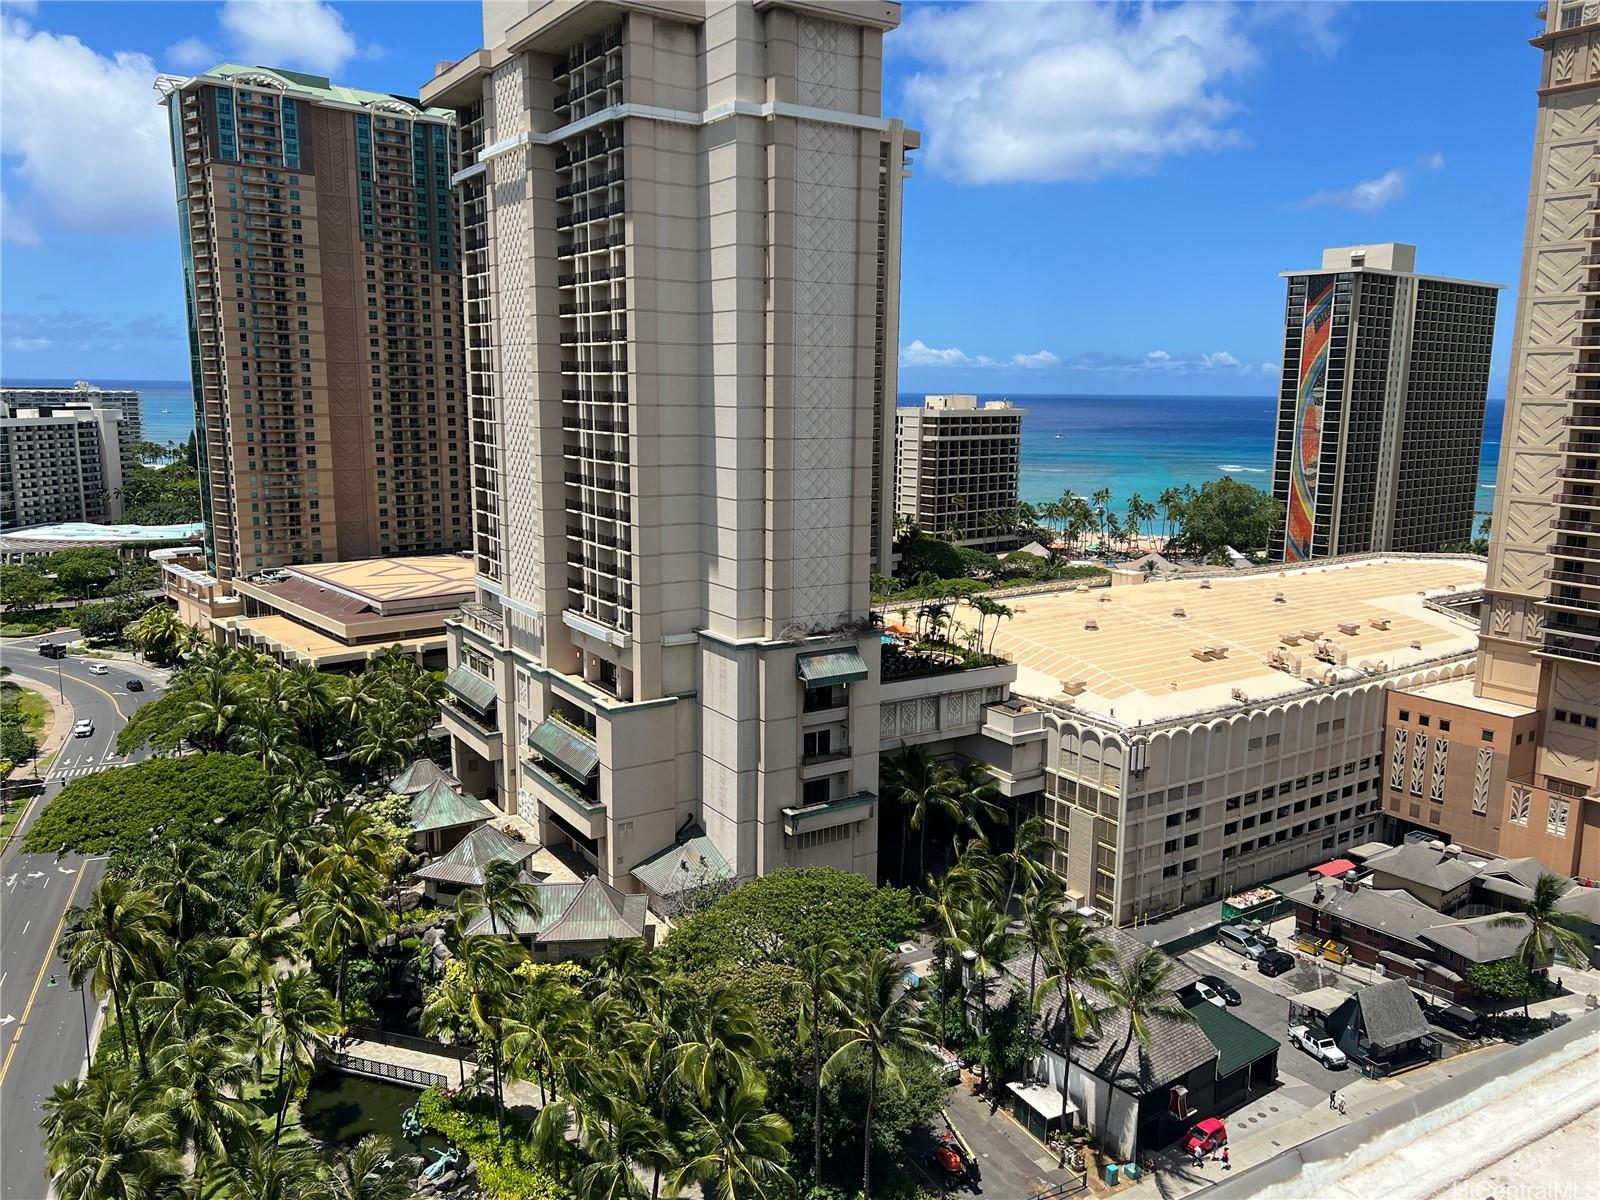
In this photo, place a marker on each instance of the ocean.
(1146, 444)
(1142, 444)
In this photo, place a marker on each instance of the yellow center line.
(43, 968)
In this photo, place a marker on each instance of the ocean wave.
(1243, 470)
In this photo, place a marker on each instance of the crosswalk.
(74, 766)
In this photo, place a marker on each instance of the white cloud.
(14, 225)
(85, 139)
(1163, 362)
(920, 354)
(1064, 90)
(288, 33)
(192, 54)
(1374, 195)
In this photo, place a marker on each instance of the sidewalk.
(517, 1092)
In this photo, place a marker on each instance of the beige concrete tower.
(1541, 628)
(324, 322)
(680, 228)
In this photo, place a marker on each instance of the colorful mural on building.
(1307, 454)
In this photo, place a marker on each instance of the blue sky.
(1104, 197)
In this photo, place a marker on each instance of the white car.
(1209, 994)
(99, 669)
(1319, 1045)
(84, 728)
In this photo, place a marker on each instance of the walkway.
(519, 1093)
(1014, 1163)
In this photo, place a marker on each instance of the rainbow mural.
(1307, 453)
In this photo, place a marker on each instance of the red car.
(1208, 1135)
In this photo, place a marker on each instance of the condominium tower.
(1535, 789)
(957, 466)
(320, 274)
(59, 461)
(1380, 411)
(680, 236)
(125, 401)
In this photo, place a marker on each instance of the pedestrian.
(1341, 1106)
(1226, 1166)
(1333, 1099)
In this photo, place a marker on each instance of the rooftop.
(318, 87)
(1173, 649)
(1459, 691)
(1390, 1014)
(1396, 913)
(83, 533)
(466, 862)
(1421, 863)
(1484, 939)
(591, 911)
(288, 637)
(444, 578)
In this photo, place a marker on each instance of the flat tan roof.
(383, 580)
(1140, 663)
(290, 637)
(1459, 691)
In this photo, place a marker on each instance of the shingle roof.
(418, 776)
(1419, 863)
(1390, 1014)
(591, 911)
(1175, 1048)
(464, 863)
(1480, 940)
(1238, 1043)
(683, 865)
(441, 806)
(1396, 913)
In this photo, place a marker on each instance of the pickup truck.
(1319, 1045)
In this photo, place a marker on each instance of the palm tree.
(267, 735)
(280, 844)
(214, 710)
(720, 1042)
(1027, 862)
(823, 984)
(352, 843)
(201, 1079)
(264, 1170)
(921, 787)
(624, 969)
(1142, 991)
(385, 740)
(881, 1021)
(158, 634)
(1550, 934)
(198, 992)
(505, 896)
(264, 940)
(294, 1028)
(340, 914)
(738, 1148)
(985, 941)
(185, 878)
(977, 795)
(618, 1138)
(116, 938)
(367, 1173)
(486, 964)
(1043, 911)
(105, 1140)
(1075, 956)
(547, 1025)
(1000, 612)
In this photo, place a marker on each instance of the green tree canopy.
(1225, 512)
(23, 586)
(208, 797)
(83, 569)
(765, 919)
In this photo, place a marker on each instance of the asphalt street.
(42, 1017)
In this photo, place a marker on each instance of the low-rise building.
(958, 463)
(576, 920)
(1204, 735)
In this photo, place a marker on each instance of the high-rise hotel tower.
(1380, 413)
(680, 237)
(323, 292)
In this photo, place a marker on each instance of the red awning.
(1337, 867)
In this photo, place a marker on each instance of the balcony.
(1565, 647)
(480, 733)
(1012, 721)
(1557, 575)
(1584, 420)
(1583, 446)
(1570, 604)
(483, 621)
(583, 810)
(1577, 500)
(1591, 553)
(846, 810)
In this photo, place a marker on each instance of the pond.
(339, 1110)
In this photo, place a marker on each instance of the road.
(42, 1017)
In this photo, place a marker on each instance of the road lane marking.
(25, 927)
(49, 956)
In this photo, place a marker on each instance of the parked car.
(1209, 994)
(1229, 994)
(134, 685)
(946, 1062)
(1206, 1136)
(1275, 962)
(1455, 1018)
(99, 669)
(1240, 940)
(1319, 1045)
(84, 728)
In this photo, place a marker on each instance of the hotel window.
(1571, 16)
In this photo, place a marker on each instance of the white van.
(1241, 941)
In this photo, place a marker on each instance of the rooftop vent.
(1178, 612)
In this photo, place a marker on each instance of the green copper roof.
(831, 667)
(591, 911)
(419, 775)
(320, 87)
(563, 745)
(472, 689)
(465, 863)
(684, 865)
(1238, 1043)
(441, 806)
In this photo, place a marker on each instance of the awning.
(472, 689)
(1046, 1101)
(575, 754)
(1331, 870)
(831, 667)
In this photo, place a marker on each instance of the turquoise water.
(1146, 444)
(168, 405)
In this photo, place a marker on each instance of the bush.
(507, 1171)
(16, 744)
(761, 920)
(899, 1113)
(207, 797)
